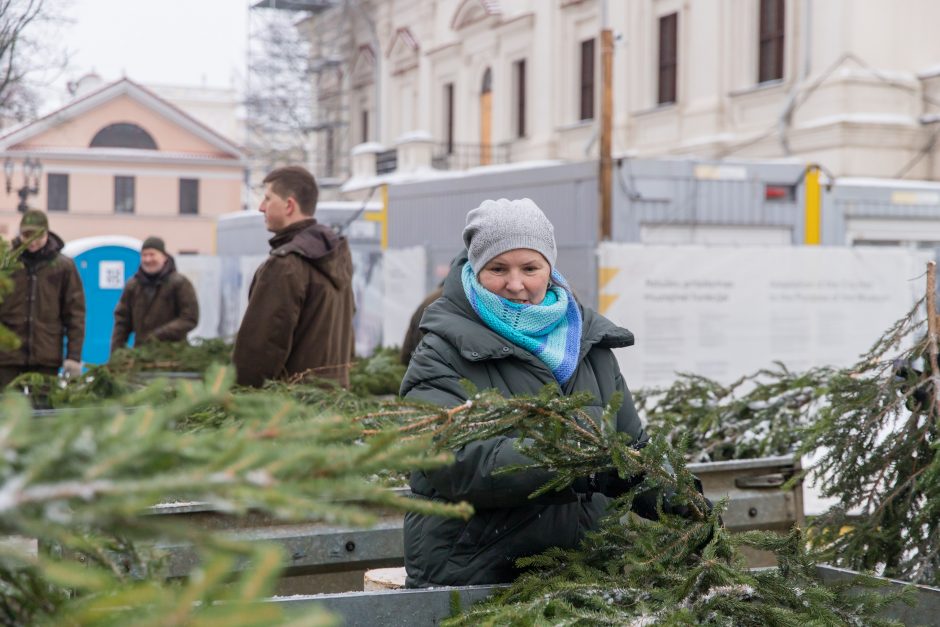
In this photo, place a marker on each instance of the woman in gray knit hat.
(508, 320)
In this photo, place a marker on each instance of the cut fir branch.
(82, 480)
(878, 435)
(674, 571)
(760, 415)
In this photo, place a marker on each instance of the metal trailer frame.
(428, 607)
(324, 557)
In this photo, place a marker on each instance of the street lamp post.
(32, 171)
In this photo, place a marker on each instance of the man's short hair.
(296, 181)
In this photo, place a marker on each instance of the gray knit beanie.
(497, 226)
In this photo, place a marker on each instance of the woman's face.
(520, 275)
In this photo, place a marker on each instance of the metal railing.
(386, 161)
(463, 156)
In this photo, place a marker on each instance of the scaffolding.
(299, 65)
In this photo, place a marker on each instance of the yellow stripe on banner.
(604, 276)
(604, 301)
(813, 213)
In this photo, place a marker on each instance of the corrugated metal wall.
(883, 199)
(433, 213)
(687, 192)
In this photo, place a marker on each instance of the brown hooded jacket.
(300, 309)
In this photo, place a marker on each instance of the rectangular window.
(586, 109)
(189, 197)
(518, 71)
(770, 41)
(364, 126)
(330, 153)
(449, 117)
(58, 192)
(123, 194)
(668, 58)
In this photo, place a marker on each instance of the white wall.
(869, 58)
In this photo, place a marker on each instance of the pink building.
(122, 161)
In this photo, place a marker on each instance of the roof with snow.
(11, 140)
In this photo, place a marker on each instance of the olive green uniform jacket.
(300, 309)
(46, 306)
(161, 308)
(507, 525)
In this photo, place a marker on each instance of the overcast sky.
(176, 42)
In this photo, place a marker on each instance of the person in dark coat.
(46, 307)
(507, 320)
(158, 303)
(414, 333)
(299, 319)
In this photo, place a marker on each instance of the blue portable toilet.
(105, 263)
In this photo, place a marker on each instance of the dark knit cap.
(155, 243)
(34, 220)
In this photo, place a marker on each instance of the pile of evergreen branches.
(79, 482)
(181, 356)
(760, 415)
(877, 440)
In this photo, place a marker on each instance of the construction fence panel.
(433, 213)
(723, 312)
(688, 195)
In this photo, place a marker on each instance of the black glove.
(612, 485)
(608, 482)
(645, 503)
(905, 373)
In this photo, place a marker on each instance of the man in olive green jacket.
(46, 306)
(158, 303)
(300, 305)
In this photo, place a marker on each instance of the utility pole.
(606, 130)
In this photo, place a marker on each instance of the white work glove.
(71, 368)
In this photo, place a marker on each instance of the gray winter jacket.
(507, 524)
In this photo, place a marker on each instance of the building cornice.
(124, 155)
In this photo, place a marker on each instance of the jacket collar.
(158, 277)
(453, 318)
(54, 244)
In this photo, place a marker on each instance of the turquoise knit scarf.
(551, 331)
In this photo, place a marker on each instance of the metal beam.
(425, 607)
(314, 6)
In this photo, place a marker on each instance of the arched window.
(123, 135)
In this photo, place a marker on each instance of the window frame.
(519, 93)
(123, 185)
(587, 80)
(770, 40)
(62, 194)
(184, 206)
(667, 74)
(449, 117)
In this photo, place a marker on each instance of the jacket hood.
(453, 318)
(54, 245)
(319, 245)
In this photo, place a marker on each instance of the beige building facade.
(120, 160)
(853, 86)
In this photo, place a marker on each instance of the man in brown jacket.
(46, 306)
(300, 304)
(158, 303)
